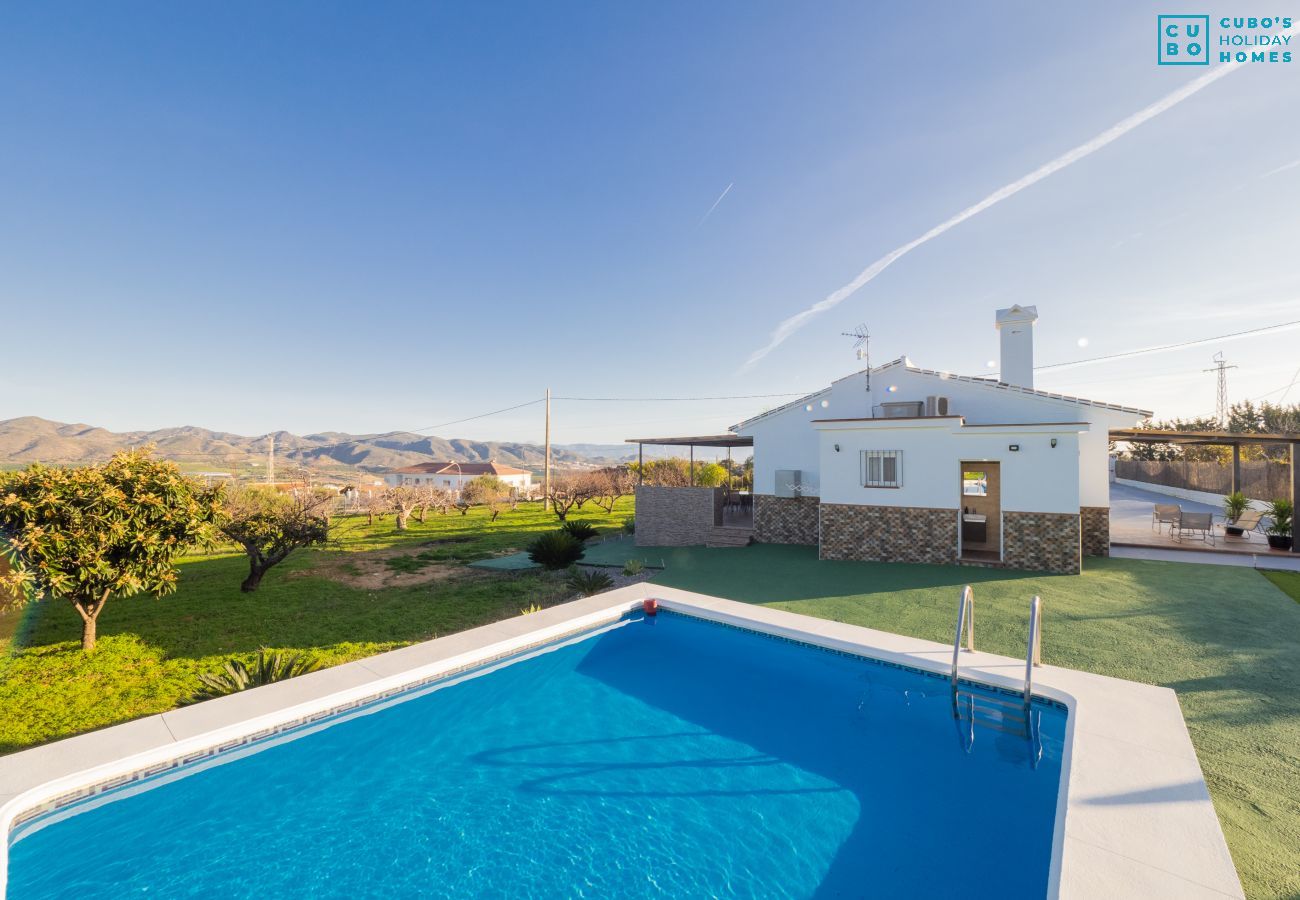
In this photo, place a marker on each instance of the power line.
(479, 416)
(1165, 347)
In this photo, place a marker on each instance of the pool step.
(992, 712)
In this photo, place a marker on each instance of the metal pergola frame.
(1225, 439)
(706, 440)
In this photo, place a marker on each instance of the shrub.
(583, 531)
(1281, 512)
(555, 550)
(235, 676)
(530, 609)
(589, 581)
(633, 567)
(1234, 505)
(629, 525)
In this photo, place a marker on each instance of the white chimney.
(1016, 331)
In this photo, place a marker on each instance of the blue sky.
(375, 217)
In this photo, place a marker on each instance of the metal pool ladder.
(996, 713)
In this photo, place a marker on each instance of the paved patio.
(1130, 529)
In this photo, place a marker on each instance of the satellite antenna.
(862, 346)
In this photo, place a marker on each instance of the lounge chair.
(1195, 523)
(1166, 514)
(1248, 521)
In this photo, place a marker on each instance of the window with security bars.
(882, 468)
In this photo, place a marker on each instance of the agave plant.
(633, 567)
(236, 676)
(589, 581)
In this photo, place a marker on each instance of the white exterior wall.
(451, 481)
(1036, 478)
(787, 440)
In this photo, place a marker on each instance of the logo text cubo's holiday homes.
(1186, 40)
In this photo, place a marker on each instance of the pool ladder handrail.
(965, 622)
(1034, 653)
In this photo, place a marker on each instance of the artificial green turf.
(1224, 638)
(1288, 582)
(151, 650)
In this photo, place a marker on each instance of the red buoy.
(650, 606)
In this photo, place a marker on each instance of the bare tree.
(569, 492)
(374, 504)
(612, 485)
(403, 500)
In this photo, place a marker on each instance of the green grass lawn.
(372, 589)
(1223, 637)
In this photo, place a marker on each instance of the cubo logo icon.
(1184, 40)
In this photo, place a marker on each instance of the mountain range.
(32, 439)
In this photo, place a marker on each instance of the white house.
(917, 465)
(452, 476)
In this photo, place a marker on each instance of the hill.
(33, 439)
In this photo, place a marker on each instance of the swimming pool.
(663, 756)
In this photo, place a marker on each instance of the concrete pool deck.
(1133, 814)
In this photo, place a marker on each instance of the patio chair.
(1195, 523)
(1250, 520)
(1166, 514)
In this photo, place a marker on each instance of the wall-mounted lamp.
(825, 403)
(837, 448)
(1053, 442)
(893, 389)
(808, 408)
(1014, 448)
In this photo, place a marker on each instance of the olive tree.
(269, 526)
(86, 534)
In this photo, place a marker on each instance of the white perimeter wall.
(1037, 478)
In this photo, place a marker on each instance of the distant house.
(452, 476)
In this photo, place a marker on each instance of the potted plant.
(1279, 533)
(1233, 506)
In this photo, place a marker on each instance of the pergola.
(707, 440)
(1225, 439)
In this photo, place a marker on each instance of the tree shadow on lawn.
(209, 616)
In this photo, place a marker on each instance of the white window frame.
(874, 476)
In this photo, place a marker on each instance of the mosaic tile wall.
(785, 520)
(890, 533)
(1044, 542)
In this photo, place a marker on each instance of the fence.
(1260, 479)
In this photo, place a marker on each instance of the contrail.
(795, 322)
(724, 193)
(1281, 169)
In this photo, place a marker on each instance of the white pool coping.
(1134, 817)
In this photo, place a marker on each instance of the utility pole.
(546, 470)
(1221, 407)
(270, 460)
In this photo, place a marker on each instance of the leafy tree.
(270, 526)
(709, 474)
(89, 533)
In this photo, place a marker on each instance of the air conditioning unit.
(789, 483)
(936, 406)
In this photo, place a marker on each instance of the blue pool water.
(668, 757)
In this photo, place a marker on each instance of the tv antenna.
(861, 343)
(1221, 407)
(862, 346)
